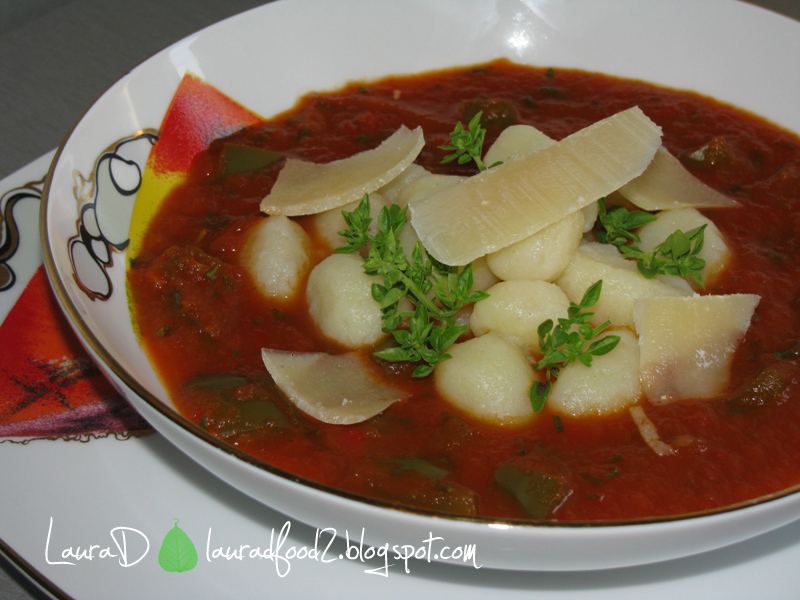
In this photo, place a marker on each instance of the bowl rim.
(98, 351)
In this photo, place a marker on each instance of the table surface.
(59, 55)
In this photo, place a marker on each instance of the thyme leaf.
(618, 224)
(677, 255)
(466, 143)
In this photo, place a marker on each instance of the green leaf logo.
(177, 553)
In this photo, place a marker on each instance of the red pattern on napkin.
(49, 387)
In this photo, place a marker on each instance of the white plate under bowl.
(266, 59)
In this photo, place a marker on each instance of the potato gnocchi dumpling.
(516, 141)
(610, 385)
(543, 255)
(426, 186)
(340, 301)
(488, 378)
(515, 309)
(277, 253)
(622, 283)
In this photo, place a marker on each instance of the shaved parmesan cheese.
(305, 188)
(334, 388)
(517, 141)
(667, 184)
(514, 200)
(649, 432)
(687, 344)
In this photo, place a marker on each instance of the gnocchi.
(533, 280)
(426, 186)
(278, 255)
(516, 141)
(340, 301)
(543, 255)
(488, 378)
(514, 309)
(610, 385)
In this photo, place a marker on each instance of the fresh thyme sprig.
(430, 328)
(466, 144)
(618, 224)
(676, 255)
(571, 339)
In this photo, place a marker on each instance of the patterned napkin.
(49, 387)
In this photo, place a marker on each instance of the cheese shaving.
(333, 388)
(516, 199)
(667, 184)
(306, 188)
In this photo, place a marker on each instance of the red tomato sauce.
(204, 324)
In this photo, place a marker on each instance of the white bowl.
(266, 59)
